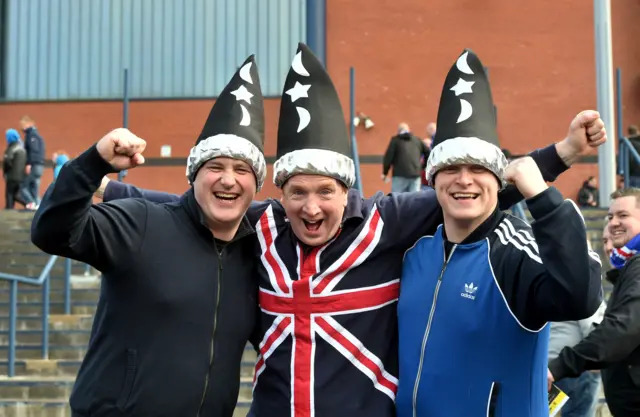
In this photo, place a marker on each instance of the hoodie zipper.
(427, 330)
(213, 333)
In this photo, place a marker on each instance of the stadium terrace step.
(34, 295)
(35, 309)
(39, 396)
(42, 367)
(66, 352)
(56, 322)
(56, 337)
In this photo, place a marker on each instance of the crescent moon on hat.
(246, 117)
(463, 65)
(297, 65)
(305, 118)
(245, 73)
(465, 110)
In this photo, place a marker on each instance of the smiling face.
(607, 243)
(468, 194)
(624, 220)
(314, 205)
(224, 188)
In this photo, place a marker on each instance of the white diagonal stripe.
(349, 356)
(506, 238)
(363, 256)
(272, 248)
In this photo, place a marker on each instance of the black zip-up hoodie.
(34, 145)
(176, 309)
(613, 346)
(407, 154)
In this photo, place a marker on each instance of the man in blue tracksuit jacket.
(476, 296)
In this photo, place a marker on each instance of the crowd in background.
(23, 165)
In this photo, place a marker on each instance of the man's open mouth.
(225, 196)
(312, 226)
(465, 196)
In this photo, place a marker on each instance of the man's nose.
(228, 180)
(311, 208)
(464, 177)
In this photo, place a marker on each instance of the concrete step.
(56, 337)
(60, 408)
(56, 322)
(56, 281)
(42, 367)
(35, 309)
(77, 352)
(34, 295)
(70, 367)
(34, 271)
(59, 387)
(34, 351)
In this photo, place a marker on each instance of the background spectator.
(13, 166)
(634, 168)
(59, 158)
(34, 145)
(588, 194)
(407, 154)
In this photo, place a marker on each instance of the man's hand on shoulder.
(122, 149)
(586, 132)
(99, 194)
(526, 176)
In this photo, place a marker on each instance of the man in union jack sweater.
(331, 260)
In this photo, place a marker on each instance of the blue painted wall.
(77, 49)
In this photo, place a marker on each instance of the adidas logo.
(469, 291)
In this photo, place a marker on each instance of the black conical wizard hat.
(312, 133)
(466, 132)
(235, 126)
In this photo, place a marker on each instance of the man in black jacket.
(179, 296)
(34, 145)
(614, 345)
(13, 164)
(408, 155)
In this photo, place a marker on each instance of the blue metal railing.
(625, 147)
(42, 280)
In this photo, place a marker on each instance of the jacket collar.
(612, 275)
(188, 201)
(483, 230)
(354, 206)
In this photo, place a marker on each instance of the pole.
(317, 28)
(125, 113)
(621, 148)
(604, 84)
(352, 127)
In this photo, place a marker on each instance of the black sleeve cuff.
(557, 369)
(92, 165)
(544, 203)
(553, 164)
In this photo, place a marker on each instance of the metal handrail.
(626, 149)
(42, 280)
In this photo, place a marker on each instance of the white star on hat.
(462, 87)
(242, 94)
(298, 91)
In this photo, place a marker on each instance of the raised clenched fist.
(122, 149)
(525, 174)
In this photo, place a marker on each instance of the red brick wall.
(541, 64)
